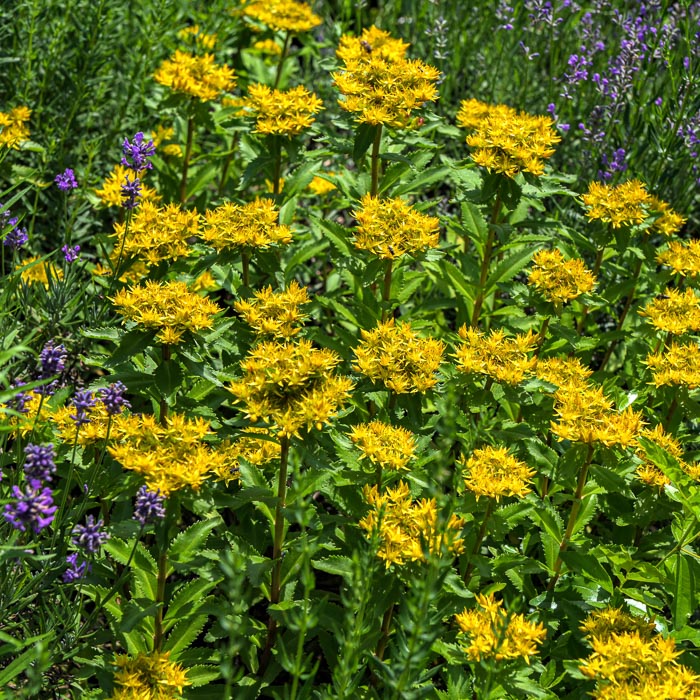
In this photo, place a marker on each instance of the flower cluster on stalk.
(276, 314)
(495, 473)
(557, 279)
(674, 312)
(389, 447)
(199, 77)
(282, 15)
(676, 365)
(149, 676)
(14, 127)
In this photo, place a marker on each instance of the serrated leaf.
(200, 675)
(683, 602)
(185, 546)
(337, 565)
(364, 138)
(193, 592)
(184, 634)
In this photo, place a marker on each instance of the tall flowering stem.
(158, 631)
(374, 188)
(283, 57)
(386, 294)
(186, 159)
(479, 539)
(573, 515)
(486, 261)
(167, 356)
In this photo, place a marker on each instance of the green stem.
(374, 188)
(160, 597)
(595, 271)
(163, 400)
(386, 631)
(283, 56)
(245, 261)
(541, 336)
(477, 544)
(227, 163)
(573, 515)
(276, 173)
(386, 294)
(486, 261)
(186, 160)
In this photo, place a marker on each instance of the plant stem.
(186, 161)
(595, 271)
(541, 336)
(163, 399)
(283, 56)
(573, 515)
(479, 540)
(486, 261)
(160, 597)
(386, 295)
(386, 630)
(375, 162)
(245, 260)
(277, 153)
(227, 163)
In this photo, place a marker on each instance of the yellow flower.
(149, 677)
(252, 225)
(157, 233)
(503, 359)
(674, 312)
(407, 530)
(390, 228)
(282, 15)
(35, 269)
(621, 205)
(602, 624)
(170, 307)
(563, 371)
(285, 112)
(683, 257)
(669, 221)
(677, 365)
(37, 411)
(275, 313)
(398, 357)
(385, 445)
(493, 633)
(93, 431)
(14, 129)
(268, 46)
(560, 280)
(110, 193)
(197, 76)
(379, 83)
(256, 450)
(320, 186)
(494, 472)
(160, 136)
(648, 472)
(291, 386)
(505, 140)
(205, 41)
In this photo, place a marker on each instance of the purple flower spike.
(66, 180)
(71, 254)
(113, 398)
(131, 192)
(137, 155)
(90, 537)
(39, 464)
(16, 237)
(75, 571)
(84, 402)
(148, 506)
(33, 509)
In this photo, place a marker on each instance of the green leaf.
(192, 593)
(184, 634)
(509, 267)
(427, 177)
(168, 377)
(684, 600)
(364, 138)
(589, 566)
(185, 546)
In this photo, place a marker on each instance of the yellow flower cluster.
(620, 205)
(37, 411)
(674, 312)
(268, 46)
(379, 83)
(275, 313)
(390, 228)
(291, 386)
(149, 677)
(630, 662)
(320, 186)
(282, 15)
(93, 431)
(563, 371)
(557, 279)
(494, 633)
(170, 307)
(493, 472)
(407, 530)
(171, 457)
(384, 445)
(193, 33)
(505, 140)
(110, 193)
(14, 128)
(157, 233)
(669, 221)
(683, 257)
(648, 472)
(251, 225)
(586, 415)
(197, 76)
(503, 359)
(284, 112)
(255, 450)
(397, 356)
(161, 136)
(678, 365)
(35, 270)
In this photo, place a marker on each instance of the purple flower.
(614, 164)
(16, 237)
(20, 400)
(90, 537)
(148, 506)
(33, 508)
(113, 398)
(71, 254)
(137, 155)
(75, 571)
(131, 191)
(84, 402)
(53, 359)
(66, 180)
(39, 463)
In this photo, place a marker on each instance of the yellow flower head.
(255, 450)
(35, 270)
(675, 312)
(170, 457)
(379, 83)
(390, 228)
(505, 140)
(503, 359)
(196, 76)
(35, 414)
(275, 314)
(647, 471)
(93, 431)
(285, 112)
(669, 221)
(320, 186)
(620, 205)
(385, 445)
(282, 15)
(110, 193)
(678, 365)
(563, 371)
(602, 624)
(170, 307)
(586, 415)
(398, 357)
(252, 225)
(407, 530)
(490, 632)
(494, 472)
(683, 257)
(149, 677)
(268, 46)
(291, 386)
(157, 233)
(560, 280)
(14, 128)
(194, 35)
